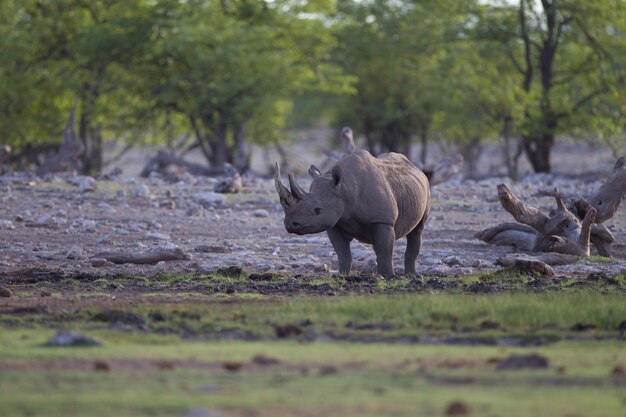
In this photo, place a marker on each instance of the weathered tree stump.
(570, 229)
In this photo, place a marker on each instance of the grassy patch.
(327, 378)
(168, 354)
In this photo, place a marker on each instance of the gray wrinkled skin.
(375, 201)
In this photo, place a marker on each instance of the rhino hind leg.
(384, 238)
(413, 246)
(341, 244)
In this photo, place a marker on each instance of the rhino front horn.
(296, 190)
(285, 196)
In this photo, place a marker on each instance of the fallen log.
(150, 257)
(441, 171)
(607, 199)
(552, 259)
(561, 232)
(164, 159)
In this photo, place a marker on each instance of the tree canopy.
(228, 72)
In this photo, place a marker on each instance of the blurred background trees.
(219, 75)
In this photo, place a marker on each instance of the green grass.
(323, 377)
(370, 380)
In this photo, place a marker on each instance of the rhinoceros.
(373, 200)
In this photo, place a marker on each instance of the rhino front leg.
(384, 237)
(341, 244)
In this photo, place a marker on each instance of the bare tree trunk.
(69, 155)
(471, 153)
(538, 150)
(511, 160)
(242, 159)
(424, 142)
(221, 147)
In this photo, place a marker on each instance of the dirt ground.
(50, 225)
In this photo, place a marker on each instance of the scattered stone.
(165, 365)
(45, 293)
(6, 224)
(156, 316)
(229, 185)
(597, 276)
(212, 249)
(201, 412)
(88, 226)
(532, 268)
(264, 360)
(119, 317)
(102, 240)
(74, 253)
(458, 408)
(530, 361)
(582, 327)
(45, 220)
(328, 370)
(208, 198)
(5, 292)
(452, 261)
(101, 366)
(141, 191)
(619, 370)
(232, 366)
(489, 325)
(65, 337)
(157, 236)
(98, 262)
(87, 184)
(287, 330)
(261, 213)
(231, 271)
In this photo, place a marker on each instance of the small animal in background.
(347, 140)
(373, 200)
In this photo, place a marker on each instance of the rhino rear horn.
(296, 190)
(285, 196)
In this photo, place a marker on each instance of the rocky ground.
(62, 223)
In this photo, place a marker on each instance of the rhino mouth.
(303, 230)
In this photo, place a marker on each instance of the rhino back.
(388, 190)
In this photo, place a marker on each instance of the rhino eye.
(317, 210)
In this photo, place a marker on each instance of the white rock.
(261, 213)
(74, 253)
(45, 220)
(87, 184)
(88, 226)
(6, 224)
(157, 236)
(208, 198)
(141, 191)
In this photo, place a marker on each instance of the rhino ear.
(314, 171)
(337, 174)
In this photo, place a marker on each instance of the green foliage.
(235, 71)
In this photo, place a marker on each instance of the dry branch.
(151, 257)
(520, 211)
(607, 199)
(561, 232)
